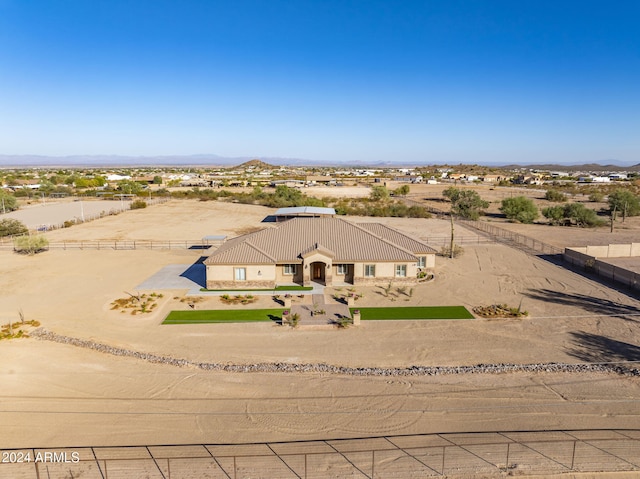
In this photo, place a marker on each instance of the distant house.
(326, 250)
(594, 179)
(409, 178)
(319, 179)
(493, 178)
(289, 183)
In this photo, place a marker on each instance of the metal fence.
(427, 455)
(516, 239)
(124, 244)
(494, 233)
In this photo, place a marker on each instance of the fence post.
(373, 463)
(444, 449)
(573, 455)
(506, 464)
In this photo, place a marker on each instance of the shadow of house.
(197, 272)
(594, 348)
(588, 303)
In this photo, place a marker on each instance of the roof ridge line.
(259, 250)
(381, 238)
(407, 235)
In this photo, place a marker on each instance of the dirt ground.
(55, 395)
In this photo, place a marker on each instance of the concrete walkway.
(332, 312)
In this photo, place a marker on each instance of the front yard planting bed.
(414, 312)
(223, 316)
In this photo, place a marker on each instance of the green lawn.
(277, 288)
(223, 316)
(415, 312)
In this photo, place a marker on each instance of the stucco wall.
(225, 274)
(288, 278)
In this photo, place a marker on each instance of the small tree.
(573, 213)
(555, 214)
(12, 227)
(379, 193)
(30, 244)
(625, 202)
(465, 203)
(157, 180)
(8, 202)
(520, 209)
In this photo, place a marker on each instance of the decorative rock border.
(617, 368)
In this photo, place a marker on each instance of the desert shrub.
(572, 214)
(446, 251)
(30, 244)
(343, 322)
(8, 201)
(138, 204)
(293, 320)
(12, 227)
(596, 197)
(520, 209)
(555, 196)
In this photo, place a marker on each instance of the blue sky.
(434, 81)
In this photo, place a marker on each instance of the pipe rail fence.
(505, 236)
(494, 233)
(426, 455)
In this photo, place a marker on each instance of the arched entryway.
(318, 272)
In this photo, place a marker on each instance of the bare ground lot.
(56, 395)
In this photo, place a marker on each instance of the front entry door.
(318, 269)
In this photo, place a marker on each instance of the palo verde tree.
(8, 202)
(625, 202)
(379, 193)
(520, 209)
(466, 204)
(12, 227)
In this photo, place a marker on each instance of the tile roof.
(397, 237)
(287, 242)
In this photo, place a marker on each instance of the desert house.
(325, 250)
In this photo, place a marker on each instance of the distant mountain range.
(570, 168)
(27, 161)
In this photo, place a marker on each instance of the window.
(422, 261)
(401, 270)
(241, 274)
(341, 269)
(369, 270)
(289, 269)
